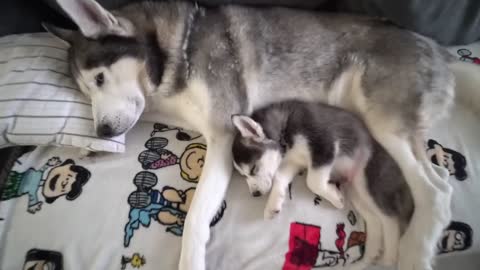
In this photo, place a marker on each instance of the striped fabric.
(39, 102)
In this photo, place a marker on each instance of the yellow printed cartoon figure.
(168, 206)
(183, 199)
(192, 160)
(63, 179)
(136, 261)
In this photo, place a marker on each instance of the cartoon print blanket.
(127, 211)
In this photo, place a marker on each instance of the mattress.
(126, 211)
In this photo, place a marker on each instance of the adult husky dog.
(196, 66)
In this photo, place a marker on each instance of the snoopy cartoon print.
(63, 179)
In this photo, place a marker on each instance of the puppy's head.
(254, 155)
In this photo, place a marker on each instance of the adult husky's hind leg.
(432, 205)
(373, 243)
(208, 196)
(467, 85)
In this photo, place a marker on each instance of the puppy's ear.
(91, 18)
(61, 33)
(247, 127)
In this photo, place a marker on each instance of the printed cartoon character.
(37, 259)
(353, 252)
(352, 218)
(452, 160)
(156, 156)
(181, 135)
(456, 237)
(168, 207)
(136, 261)
(305, 249)
(465, 55)
(63, 179)
(317, 199)
(191, 161)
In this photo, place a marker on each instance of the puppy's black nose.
(105, 131)
(256, 194)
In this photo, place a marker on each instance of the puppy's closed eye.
(253, 170)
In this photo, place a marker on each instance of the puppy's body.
(317, 136)
(327, 141)
(196, 66)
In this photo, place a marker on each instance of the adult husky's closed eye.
(196, 67)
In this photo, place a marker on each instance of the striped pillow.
(40, 104)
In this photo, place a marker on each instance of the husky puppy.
(194, 67)
(329, 142)
(281, 139)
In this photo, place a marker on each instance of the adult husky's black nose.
(256, 194)
(105, 131)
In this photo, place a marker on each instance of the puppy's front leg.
(209, 194)
(283, 178)
(318, 182)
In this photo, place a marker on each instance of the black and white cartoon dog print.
(38, 259)
(452, 160)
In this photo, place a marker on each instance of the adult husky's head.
(113, 62)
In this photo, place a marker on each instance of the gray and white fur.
(194, 67)
(282, 139)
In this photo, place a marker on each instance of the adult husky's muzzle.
(105, 131)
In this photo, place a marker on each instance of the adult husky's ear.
(63, 34)
(247, 127)
(91, 18)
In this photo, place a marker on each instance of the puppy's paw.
(335, 197)
(86, 154)
(271, 213)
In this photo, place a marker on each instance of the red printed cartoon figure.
(306, 252)
(466, 56)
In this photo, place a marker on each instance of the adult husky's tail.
(467, 84)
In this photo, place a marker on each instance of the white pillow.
(40, 104)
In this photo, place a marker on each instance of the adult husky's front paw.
(191, 259)
(416, 252)
(410, 259)
(192, 256)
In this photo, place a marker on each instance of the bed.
(60, 209)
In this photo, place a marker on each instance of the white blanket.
(126, 211)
